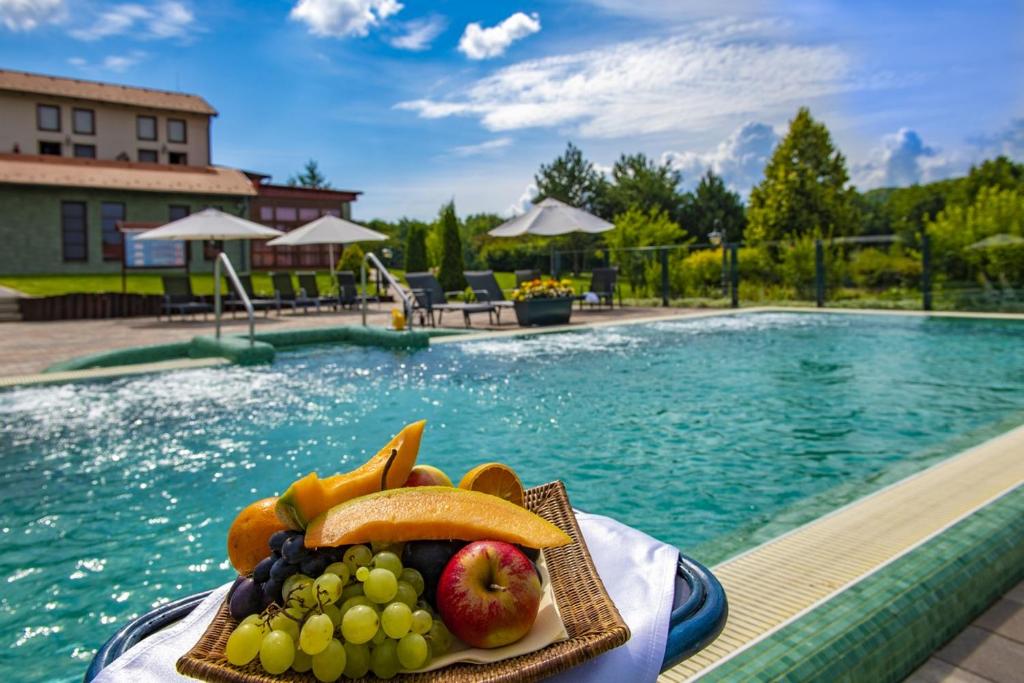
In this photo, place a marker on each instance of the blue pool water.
(711, 434)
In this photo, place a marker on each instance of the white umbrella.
(210, 224)
(551, 217)
(328, 230)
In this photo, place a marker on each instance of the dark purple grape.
(231, 591)
(278, 539)
(429, 559)
(272, 592)
(262, 571)
(314, 565)
(282, 569)
(247, 599)
(294, 549)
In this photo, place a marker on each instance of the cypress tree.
(416, 250)
(450, 274)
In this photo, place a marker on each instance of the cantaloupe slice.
(431, 513)
(311, 496)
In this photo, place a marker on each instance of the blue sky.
(415, 103)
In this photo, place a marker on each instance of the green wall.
(30, 227)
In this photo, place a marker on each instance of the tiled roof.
(25, 169)
(55, 86)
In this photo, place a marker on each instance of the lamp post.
(718, 239)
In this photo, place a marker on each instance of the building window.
(177, 212)
(50, 148)
(48, 117)
(287, 213)
(177, 158)
(176, 130)
(308, 214)
(83, 121)
(145, 127)
(85, 151)
(266, 213)
(148, 156)
(110, 214)
(74, 236)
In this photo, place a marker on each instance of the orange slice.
(496, 479)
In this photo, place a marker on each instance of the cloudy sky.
(418, 102)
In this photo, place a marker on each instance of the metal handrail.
(233, 279)
(407, 303)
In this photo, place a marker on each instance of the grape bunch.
(335, 612)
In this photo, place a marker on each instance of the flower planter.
(544, 311)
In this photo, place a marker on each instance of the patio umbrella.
(551, 217)
(1000, 240)
(329, 230)
(210, 224)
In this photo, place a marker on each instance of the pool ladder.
(237, 285)
(395, 286)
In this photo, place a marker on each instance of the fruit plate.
(588, 613)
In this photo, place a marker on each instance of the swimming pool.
(713, 434)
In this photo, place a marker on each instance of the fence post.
(734, 248)
(664, 277)
(819, 273)
(926, 272)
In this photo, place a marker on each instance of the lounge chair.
(178, 298)
(285, 294)
(348, 291)
(603, 283)
(234, 302)
(486, 288)
(430, 297)
(309, 287)
(526, 275)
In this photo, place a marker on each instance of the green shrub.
(698, 274)
(876, 269)
(351, 259)
(416, 250)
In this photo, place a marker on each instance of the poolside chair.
(603, 283)
(234, 303)
(178, 298)
(430, 298)
(348, 291)
(526, 275)
(309, 287)
(486, 288)
(285, 294)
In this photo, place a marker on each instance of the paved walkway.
(991, 650)
(31, 347)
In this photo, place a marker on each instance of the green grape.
(359, 624)
(379, 637)
(439, 638)
(357, 556)
(303, 596)
(421, 621)
(282, 622)
(334, 614)
(357, 660)
(328, 664)
(362, 574)
(296, 612)
(352, 602)
(380, 586)
(292, 582)
(412, 651)
(327, 588)
(277, 652)
(256, 620)
(406, 593)
(243, 644)
(396, 619)
(352, 590)
(303, 662)
(316, 634)
(414, 579)
(390, 561)
(384, 659)
(339, 569)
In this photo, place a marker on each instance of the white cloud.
(739, 159)
(482, 148)
(340, 18)
(478, 42)
(169, 19)
(687, 83)
(26, 15)
(903, 159)
(418, 34)
(115, 63)
(524, 203)
(1008, 142)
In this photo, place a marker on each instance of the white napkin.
(638, 571)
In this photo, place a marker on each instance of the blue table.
(699, 611)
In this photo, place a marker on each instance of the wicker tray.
(590, 617)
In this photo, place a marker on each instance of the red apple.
(488, 594)
(427, 475)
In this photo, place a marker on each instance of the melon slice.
(431, 513)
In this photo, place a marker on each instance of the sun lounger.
(430, 298)
(348, 291)
(309, 287)
(286, 295)
(604, 284)
(178, 298)
(487, 290)
(526, 275)
(234, 302)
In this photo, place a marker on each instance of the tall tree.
(804, 191)
(571, 179)
(310, 177)
(450, 273)
(712, 206)
(638, 182)
(416, 248)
